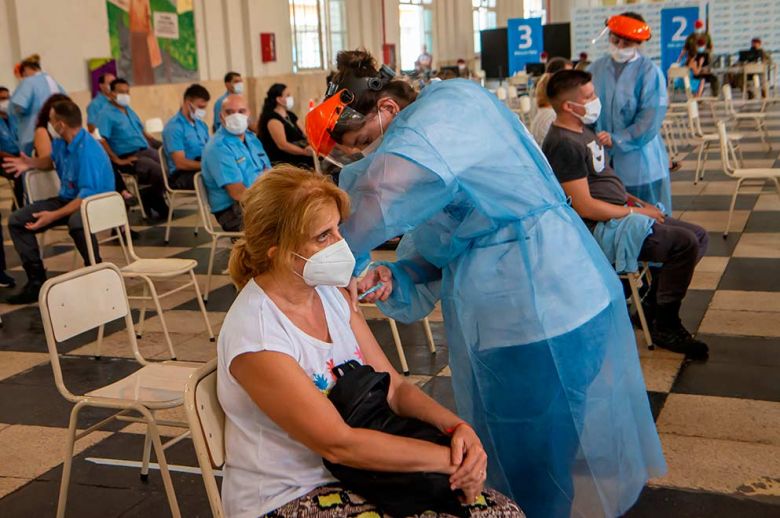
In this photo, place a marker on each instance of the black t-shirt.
(575, 155)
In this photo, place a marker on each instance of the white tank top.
(265, 468)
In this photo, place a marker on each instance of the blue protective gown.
(634, 104)
(543, 356)
(27, 100)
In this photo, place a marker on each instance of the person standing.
(102, 98)
(28, 98)
(9, 146)
(633, 94)
(545, 369)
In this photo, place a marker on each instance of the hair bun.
(359, 60)
(33, 58)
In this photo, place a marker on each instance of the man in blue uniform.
(233, 85)
(99, 102)
(9, 146)
(131, 149)
(632, 90)
(232, 161)
(84, 170)
(184, 137)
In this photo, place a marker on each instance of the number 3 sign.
(525, 40)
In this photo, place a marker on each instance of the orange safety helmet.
(327, 121)
(629, 28)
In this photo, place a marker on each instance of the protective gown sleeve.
(653, 102)
(416, 284)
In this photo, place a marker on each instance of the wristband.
(451, 431)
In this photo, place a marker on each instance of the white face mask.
(237, 123)
(4, 105)
(123, 99)
(592, 111)
(52, 132)
(622, 55)
(289, 102)
(699, 31)
(331, 266)
(198, 114)
(238, 88)
(462, 67)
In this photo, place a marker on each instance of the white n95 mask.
(592, 111)
(289, 102)
(331, 266)
(238, 88)
(198, 114)
(237, 123)
(4, 105)
(622, 55)
(123, 99)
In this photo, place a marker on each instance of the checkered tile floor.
(719, 420)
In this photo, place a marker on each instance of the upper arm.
(227, 169)
(283, 391)
(235, 190)
(276, 130)
(103, 124)
(42, 142)
(579, 191)
(173, 138)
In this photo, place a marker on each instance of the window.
(416, 22)
(535, 9)
(319, 30)
(484, 17)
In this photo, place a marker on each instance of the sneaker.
(28, 295)
(677, 339)
(6, 281)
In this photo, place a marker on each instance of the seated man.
(99, 102)
(627, 228)
(233, 85)
(184, 136)
(131, 149)
(9, 146)
(232, 161)
(84, 170)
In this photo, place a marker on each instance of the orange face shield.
(629, 28)
(328, 121)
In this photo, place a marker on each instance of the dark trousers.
(231, 219)
(712, 79)
(184, 180)
(2, 248)
(679, 246)
(27, 245)
(148, 171)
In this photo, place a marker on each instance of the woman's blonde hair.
(541, 91)
(279, 209)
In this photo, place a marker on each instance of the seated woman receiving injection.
(287, 329)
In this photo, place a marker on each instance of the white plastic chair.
(758, 72)
(728, 157)
(154, 126)
(758, 117)
(107, 211)
(190, 198)
(211, 229)
(524, 110)
(706, 141)
(81, 301)
(207, 423)
(635, 281)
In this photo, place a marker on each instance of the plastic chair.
(705, 141)
(207, 423)
(171, 194)
(524, 110)
(154, 125)
(90, 298)
(635, 281)
(759, 77)
(107, 211)
(730, 168)
(208, 224)
(758, 117)
(42, 185)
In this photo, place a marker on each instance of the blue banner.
(526, 42)
(676, 24)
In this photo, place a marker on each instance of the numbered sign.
(676, 25)
(525, 40)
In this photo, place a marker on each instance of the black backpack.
(360, 396)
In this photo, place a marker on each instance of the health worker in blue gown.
(543, 356)
(634, 100)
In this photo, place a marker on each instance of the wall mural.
(153, 41)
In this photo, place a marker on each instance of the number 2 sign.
(525, 40)
(676, 25)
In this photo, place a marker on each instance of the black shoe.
(6, 281)
(677, 339)
(132, 201)
(28, 295)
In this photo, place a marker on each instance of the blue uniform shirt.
(182, 135)
(228, 160)
(27, 100)
(124, 132)
(94, 108)
(8, 141)
(218, 109)
(83, 167)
